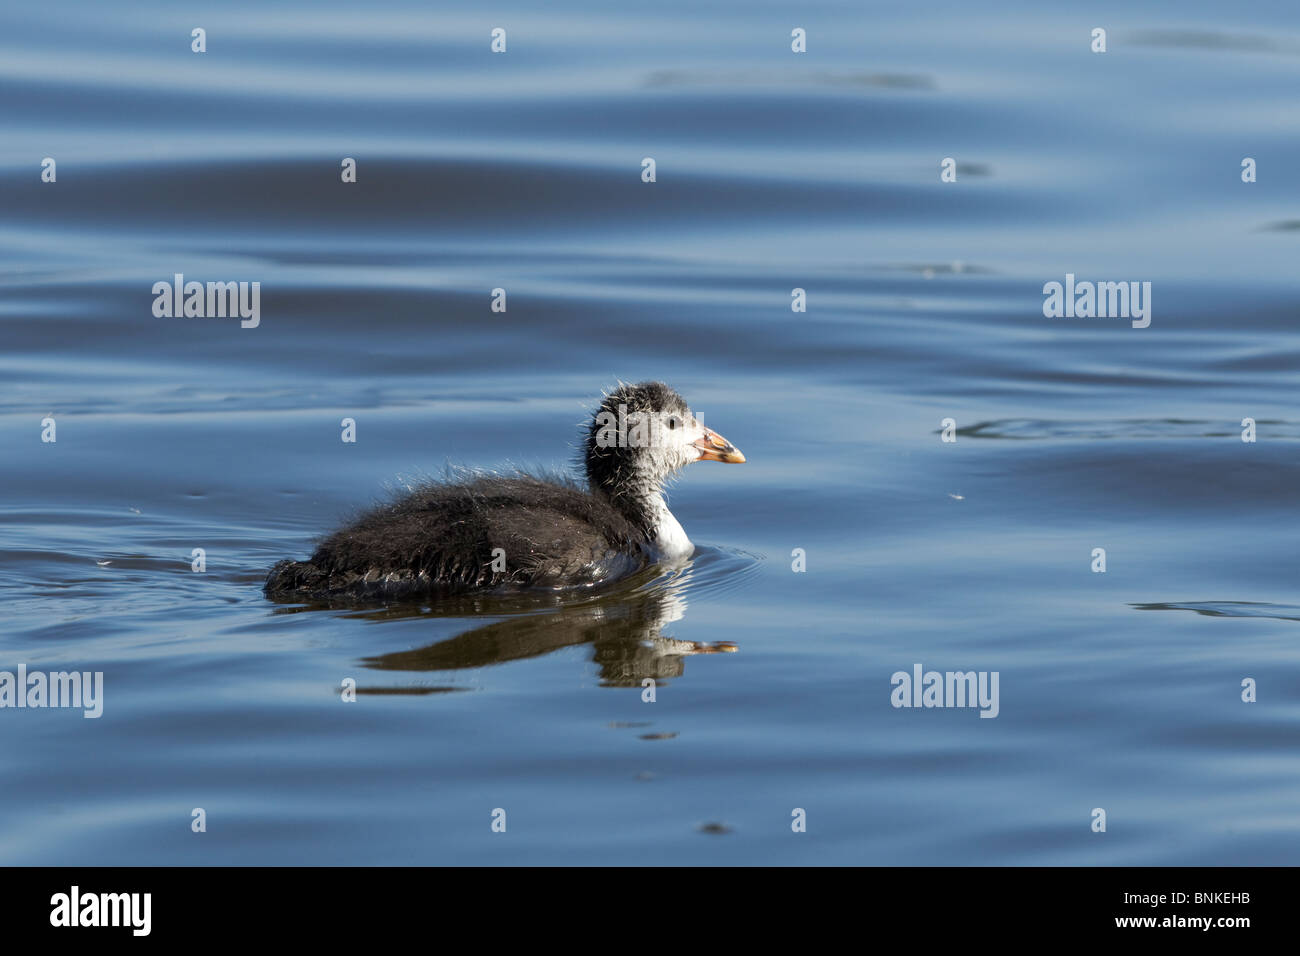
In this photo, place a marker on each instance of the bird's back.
(486, 533)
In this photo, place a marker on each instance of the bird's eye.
(672, 422)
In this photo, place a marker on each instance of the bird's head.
(641, 435)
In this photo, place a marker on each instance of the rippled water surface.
(774, 171)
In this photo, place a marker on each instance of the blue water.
(774, 170)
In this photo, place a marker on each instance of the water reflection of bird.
(490, 532)
(625, 630)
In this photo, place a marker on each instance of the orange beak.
(713, 447)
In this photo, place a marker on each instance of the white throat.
(670, 539)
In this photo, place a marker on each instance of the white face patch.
(666, 439)
(679, 434)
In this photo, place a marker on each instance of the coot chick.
(491, 532)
